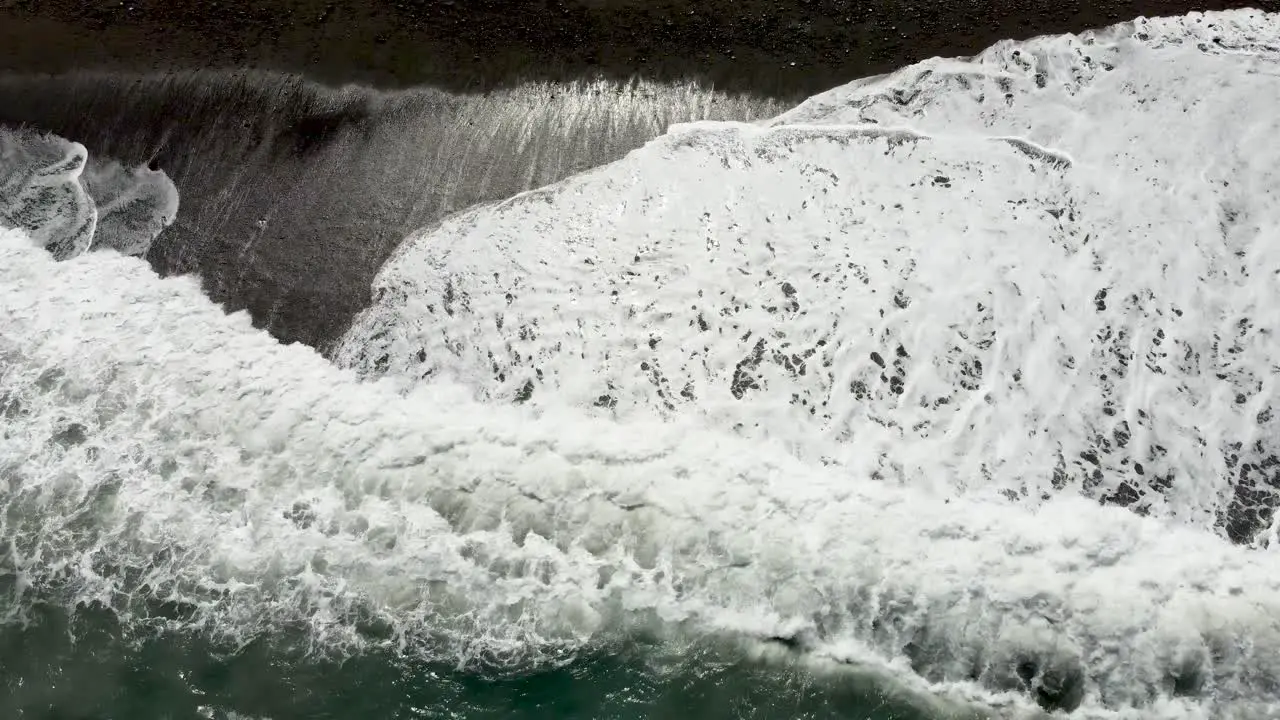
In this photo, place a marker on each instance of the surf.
(490, 477)
(296, 192)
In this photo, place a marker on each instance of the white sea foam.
(134, 205)
(40, 191)
(1049, 268)
(155, 449)
(70, 203)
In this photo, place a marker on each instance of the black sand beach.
(324, 564)
(778, 48)
(294, 192)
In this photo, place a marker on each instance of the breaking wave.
(1046, 269)
(844, 388)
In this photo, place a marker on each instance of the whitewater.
(960, 378)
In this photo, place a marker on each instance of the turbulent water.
(294, 194)
(70, 205)
(947, 393)
(1070, 237)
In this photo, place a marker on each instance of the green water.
(81, 665)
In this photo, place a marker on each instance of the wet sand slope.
(293, 194)
(780, 48)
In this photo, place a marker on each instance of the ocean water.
(944, 394)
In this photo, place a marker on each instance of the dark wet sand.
(292, 195)
(779, 48)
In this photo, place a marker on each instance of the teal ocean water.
(81, 666)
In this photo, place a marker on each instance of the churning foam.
(69, 203)
(156, 449)
(1048, 268)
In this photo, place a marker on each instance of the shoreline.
(778, 49)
